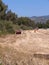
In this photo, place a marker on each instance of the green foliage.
(9, 27)
(23, 27)
(3, 9)
(42, 25)
(47, 24)
(1, 26)
(6, 27)
(39, 25)
(25, 23)
(11, 16)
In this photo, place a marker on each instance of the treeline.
(10, 22)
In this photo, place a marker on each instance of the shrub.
(9, 27)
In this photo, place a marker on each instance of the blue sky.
(28, 8)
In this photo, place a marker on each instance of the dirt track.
(29, 48)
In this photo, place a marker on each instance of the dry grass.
(29, 48)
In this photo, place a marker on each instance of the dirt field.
(28, 48)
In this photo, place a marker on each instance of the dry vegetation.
(29, 48)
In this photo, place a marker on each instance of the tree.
(40, 25)
(11, 16)
(3, 9)
(25, 21)
(47, 24)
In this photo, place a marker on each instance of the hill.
(40, 18)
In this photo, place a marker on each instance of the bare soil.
(28, 48)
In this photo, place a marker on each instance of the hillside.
(40, 18)
(29, 48)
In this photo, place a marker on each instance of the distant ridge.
(42, 19)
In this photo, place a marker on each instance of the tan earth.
(28, 48)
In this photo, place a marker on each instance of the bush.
(6, 27)
(23, 27)
(9, 27)
(47, 24)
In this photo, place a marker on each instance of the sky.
(28, 8)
